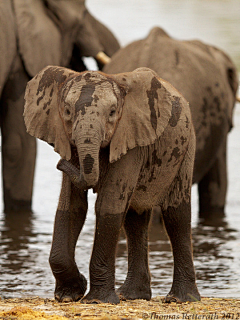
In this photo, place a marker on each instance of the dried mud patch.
(38, 308)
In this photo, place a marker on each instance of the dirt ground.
(38, 308)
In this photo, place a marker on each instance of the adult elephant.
(127, 133)
(207, 78)
(34, 34)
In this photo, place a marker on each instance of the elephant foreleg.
(212, 189)
(18, 147)
(70, 217)
(102, 265)
(137, 283)
(114, 196)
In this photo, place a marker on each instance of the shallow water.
(26, 239)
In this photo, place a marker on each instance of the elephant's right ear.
(41, 112)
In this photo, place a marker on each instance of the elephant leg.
(212, 189)
(137, 283)
(177, 221)
(70, 217)
(114, 197)
(18, 147)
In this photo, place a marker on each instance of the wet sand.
(37, 308)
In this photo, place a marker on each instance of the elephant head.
(49, 30)
(92, 110)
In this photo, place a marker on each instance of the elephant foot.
(134, 291)
(183, 295)
(99, 295)
(71, 291)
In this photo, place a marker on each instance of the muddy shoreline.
(39, 308)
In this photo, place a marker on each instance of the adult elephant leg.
(18, 147)
(137, 283)
(212, 189)
(70, 217)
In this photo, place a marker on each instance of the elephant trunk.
(88, 151)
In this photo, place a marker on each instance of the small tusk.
(102, 57)
(238, 98)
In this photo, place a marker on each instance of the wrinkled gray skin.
(129, 137)
(207, 78)
(34, 34)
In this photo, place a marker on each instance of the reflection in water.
(16, 231)
(21, 249)
(216, 262)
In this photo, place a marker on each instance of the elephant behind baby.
(130, 137)
(34, 34)
(207, 78)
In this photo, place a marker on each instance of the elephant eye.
(113, 110)
(112, 113)
(67, 111)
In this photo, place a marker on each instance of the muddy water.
(26, 239)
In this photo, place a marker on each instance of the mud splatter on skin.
(142, 187)
(47, 104)
(51, 75)
(152, 176)
(152, 95)
(176, 112)
(122, 195)
(86, 98)
(183, 140)
(88, 163)
(175, 153)
(155, 160)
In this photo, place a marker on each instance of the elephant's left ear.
(41, 110)
(146, 113)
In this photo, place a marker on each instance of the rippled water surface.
(26, 239)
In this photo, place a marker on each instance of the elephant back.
(205, 76)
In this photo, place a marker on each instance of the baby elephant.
(130, 137)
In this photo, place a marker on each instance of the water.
(26, 239)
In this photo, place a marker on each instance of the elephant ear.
(39, 37)
(41, 110)
(147, 110)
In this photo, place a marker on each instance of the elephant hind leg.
(137, 283)
(212, 189)
(177, 221)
